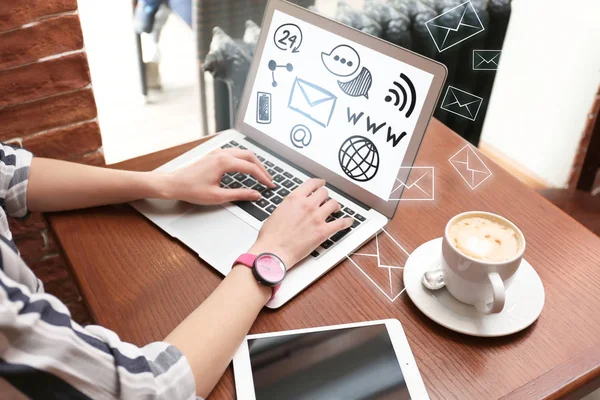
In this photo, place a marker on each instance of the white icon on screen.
(470, 167)
(454, 26)
(461, 103)
(386, 273)
(312, 101)
(419, 185)
(486, 60)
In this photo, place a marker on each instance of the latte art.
(484, 238)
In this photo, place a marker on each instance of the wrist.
(243, 271)
(259, 248)
(159, 185)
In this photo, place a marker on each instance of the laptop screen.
(345, 106)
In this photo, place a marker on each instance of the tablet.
(366, 360)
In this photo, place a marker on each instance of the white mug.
(479, 283)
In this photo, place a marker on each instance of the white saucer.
(524, 298)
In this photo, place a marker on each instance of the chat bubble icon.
(343, 60)
(358, 86)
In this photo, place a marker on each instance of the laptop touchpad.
(214, 233)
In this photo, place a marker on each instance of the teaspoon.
(433, 280)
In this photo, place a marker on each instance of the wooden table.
(141, 283)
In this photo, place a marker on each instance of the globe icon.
(359, 158)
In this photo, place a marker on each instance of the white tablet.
(366, 360)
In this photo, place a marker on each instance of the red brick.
(14, 13)
(34, 223)
(49, 37)
(50, 243)
(33, 247)
(50, 269)
(25, 119)
(64, 289)
(79, 312)
(43, 79)
(96, 158)
(65, 143)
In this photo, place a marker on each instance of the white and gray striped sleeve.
(14, 172)
(45, 354)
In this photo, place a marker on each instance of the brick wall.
(47, 106)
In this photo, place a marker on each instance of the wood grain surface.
(141, 283)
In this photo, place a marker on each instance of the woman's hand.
(199, 182)
(210, 335)
(298, 225)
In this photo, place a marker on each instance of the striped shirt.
(44, 354)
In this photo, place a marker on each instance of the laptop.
(321, 100)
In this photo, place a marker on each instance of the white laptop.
(321, 100)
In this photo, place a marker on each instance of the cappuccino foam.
(484, 238)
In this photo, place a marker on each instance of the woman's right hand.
(298, 226)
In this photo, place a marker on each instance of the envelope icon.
(461, 103)
(381, 261)
(470, 167)
(486, 60)
(454, 26)
(312, 101)
(418, 185)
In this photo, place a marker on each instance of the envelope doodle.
(454, 26)
(419, 184)
(486, 60)
(312, 101)
(461, 103)
(470, 167)
(382, 262)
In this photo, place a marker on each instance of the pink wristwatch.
(267, 268)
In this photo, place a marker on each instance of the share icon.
(273, 66)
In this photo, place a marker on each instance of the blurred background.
(135, 120)
(168, 72)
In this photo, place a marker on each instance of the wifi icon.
(404, 97)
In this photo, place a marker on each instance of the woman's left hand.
(199, 182)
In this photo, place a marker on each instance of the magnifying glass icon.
(300, 136)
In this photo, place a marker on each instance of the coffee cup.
(481, 252)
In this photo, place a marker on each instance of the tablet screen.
(349, 363)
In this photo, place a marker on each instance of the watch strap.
(247, 260)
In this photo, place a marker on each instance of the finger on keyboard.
(328, 208)
(249, 168)
(309, 186)
(338, 226)
(251, 157)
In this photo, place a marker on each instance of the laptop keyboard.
(285, 183)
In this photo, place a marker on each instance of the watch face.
(270, 268)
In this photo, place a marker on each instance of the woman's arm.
(212, 333)
(60, 185)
